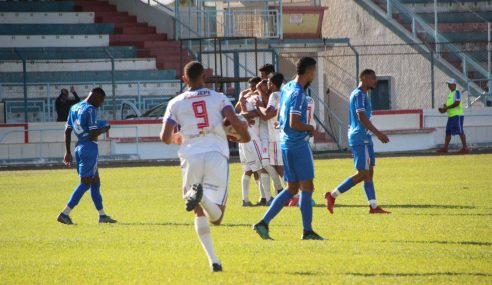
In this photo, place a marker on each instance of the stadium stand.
(462, 23)
(72, 42)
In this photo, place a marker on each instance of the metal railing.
(423, 31)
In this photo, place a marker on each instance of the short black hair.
(277, 79)
(304, 63)
(267, 68)
(99, 91)
(254, 80)
(366, 72)
(193, 70)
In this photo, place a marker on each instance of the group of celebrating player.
(275, 141)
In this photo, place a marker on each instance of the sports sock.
(306, 210)
(245, 180)
(96, 195)
(370, 193)
(346, 185)
(277, 205)
(260, 188)
(211, 209)
(277, 182)
(67, 210)
(77, 195)
(335, 193)
(265, 182)
(203, 230)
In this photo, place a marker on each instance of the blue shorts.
(86, 154)
(364, 156)
(455, 125)
(298, 163)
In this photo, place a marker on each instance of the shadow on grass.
(156, 224)
(403, 206)
(385, 274)
(479, 243)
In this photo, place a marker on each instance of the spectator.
(63, 103)
(266, 70)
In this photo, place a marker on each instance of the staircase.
(129, 32)
(462, 39)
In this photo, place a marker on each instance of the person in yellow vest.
(454, 108)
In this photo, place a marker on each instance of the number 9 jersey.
(199, 115)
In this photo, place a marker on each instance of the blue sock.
(306, 210)
(96, 195)
(277, 204)
(370, 192)
(346, 185)
(77, 195)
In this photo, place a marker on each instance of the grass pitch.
(440, 231)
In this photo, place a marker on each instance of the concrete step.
(149, 44)
(115, 19)
(136, 40)
(136, 30)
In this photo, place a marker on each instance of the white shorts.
(275, 154)
(210, 169)
(250, 155)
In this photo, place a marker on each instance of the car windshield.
(158, 111)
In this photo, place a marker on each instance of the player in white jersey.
(268, 116)
(199, 115)
(251, 153)
(310, 115)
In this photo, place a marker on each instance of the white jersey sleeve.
(273, 132)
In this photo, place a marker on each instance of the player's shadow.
(404, 206)
(169, 224)
(400, 274)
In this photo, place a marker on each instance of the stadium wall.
(408, 71)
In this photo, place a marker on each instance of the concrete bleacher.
(47, 17)
(73, 43)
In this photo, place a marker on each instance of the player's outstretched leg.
(342, 188)
(64, 216)
(278, 203)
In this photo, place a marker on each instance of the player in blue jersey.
(360, 141)
(296, 150)
(83, 122)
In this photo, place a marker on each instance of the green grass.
(440, 231)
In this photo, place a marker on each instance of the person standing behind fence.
(454, 108)
(63, 104)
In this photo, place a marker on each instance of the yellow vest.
(456, 111)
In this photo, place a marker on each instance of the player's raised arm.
(237, 124)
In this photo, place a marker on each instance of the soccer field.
(440, 231)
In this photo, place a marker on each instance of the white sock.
(211, 209)
(203, 230)
(373, 204)
(245, 187)
(67, 210)
(277, 182)
(265, 182)
(101, 212)
(260, 188)
(335, 193)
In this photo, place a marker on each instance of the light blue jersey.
(292, 101)
(357, 133)
(82, 120)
